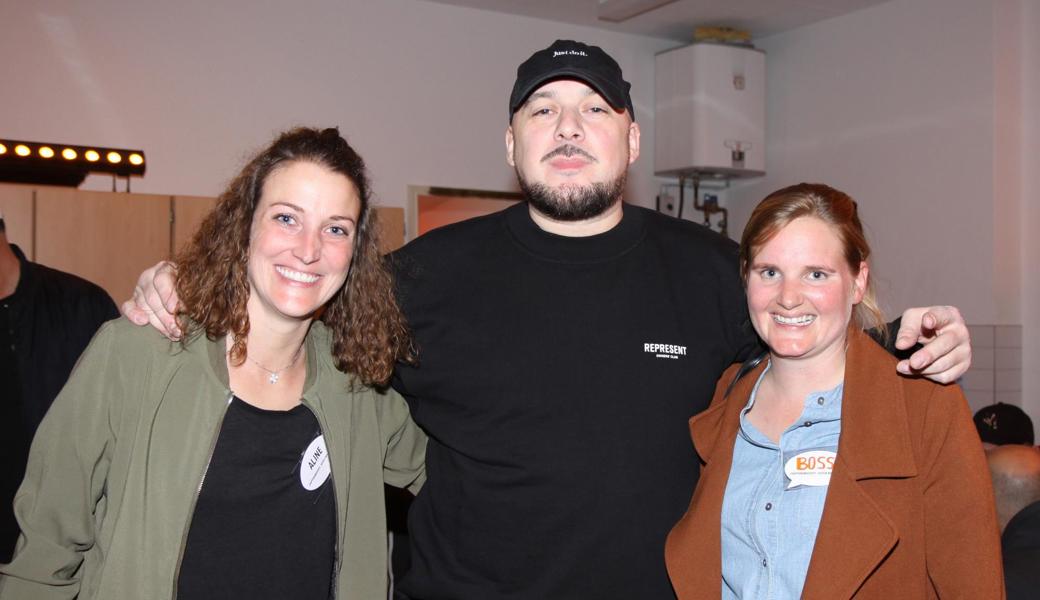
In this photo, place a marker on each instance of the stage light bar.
(65, 164)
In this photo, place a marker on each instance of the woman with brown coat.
(825, 474)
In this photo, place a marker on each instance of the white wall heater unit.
(710, 112)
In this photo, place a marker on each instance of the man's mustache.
(567, 151)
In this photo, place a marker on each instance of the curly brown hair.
(369, 333)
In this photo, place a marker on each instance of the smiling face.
(301, 241)
(801, 291)
(571, 150)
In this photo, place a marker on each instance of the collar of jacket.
(871, 404)
(318, 345)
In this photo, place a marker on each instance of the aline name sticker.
(314, 466)
(812, 468)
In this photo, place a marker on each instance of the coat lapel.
(693, 551)
(854, 537)
(714, 430)
(855, 534)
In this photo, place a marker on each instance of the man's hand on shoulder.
(946, 351)
(155, 300)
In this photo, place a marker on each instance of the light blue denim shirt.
(769, 526)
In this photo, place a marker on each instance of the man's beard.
(573, 203)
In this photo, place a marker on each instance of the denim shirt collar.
(879, 406)
(818, 407)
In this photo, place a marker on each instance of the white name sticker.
(812, 468)
(315, 467)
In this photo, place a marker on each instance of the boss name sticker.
(810, 468)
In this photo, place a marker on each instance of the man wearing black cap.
(1000, 424)
(564, 343)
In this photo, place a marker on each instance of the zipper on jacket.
(335, 503)
(198, 491)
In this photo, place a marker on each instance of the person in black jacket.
(47, 318)
(1016, 483)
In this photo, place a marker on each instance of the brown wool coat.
(909, 512)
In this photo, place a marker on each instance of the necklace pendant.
(273, 378)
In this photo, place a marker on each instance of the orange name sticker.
(811, 468)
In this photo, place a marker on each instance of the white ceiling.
(677, 20)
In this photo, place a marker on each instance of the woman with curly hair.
(247, 460)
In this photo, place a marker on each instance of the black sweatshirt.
(557, 376)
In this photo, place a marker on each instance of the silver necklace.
(272, 376)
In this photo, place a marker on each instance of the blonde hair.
(834, 208)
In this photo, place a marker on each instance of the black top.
(1020, 544)
(44, 326)
(257, 531)
(557, 376)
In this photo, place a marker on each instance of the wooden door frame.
(414, 191)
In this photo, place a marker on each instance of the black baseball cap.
(1000, 424)
(567, 59)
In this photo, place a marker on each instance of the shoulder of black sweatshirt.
(509, 243)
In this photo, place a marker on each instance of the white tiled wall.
(996, 370)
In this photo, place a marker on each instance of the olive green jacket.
(117, 464)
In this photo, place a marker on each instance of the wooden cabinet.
(188, 213)
(16, 205)
(104, 237)
(109, 238)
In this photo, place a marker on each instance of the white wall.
(1029, 26)
(894, 105)
(421, 89)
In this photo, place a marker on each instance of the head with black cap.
(572, 132)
